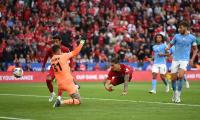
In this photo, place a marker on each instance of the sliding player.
(63, 74)
(50, 76)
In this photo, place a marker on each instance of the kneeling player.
(63, 74)
(118, 74)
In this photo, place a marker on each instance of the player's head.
(115, 64)
(183, 27)
(57, 40)
(159, 38)
(56, 49)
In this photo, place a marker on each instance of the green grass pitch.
(30, 101)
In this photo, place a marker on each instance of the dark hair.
(55, 48)
(159, 35)
(184, 23)
(57, 37)
(115, 60)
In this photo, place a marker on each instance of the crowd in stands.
(122, 28)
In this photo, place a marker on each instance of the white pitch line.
(11, 118)
(116, 100)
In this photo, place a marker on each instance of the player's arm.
(195, 49)
(169, 46)
(65, 49)
(108, 86)
(172, 42)
(166, 54)
(77, 50)
(45, 61)
(107, 82)
(126, 80)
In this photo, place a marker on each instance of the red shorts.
(51, 73)
(119, 80)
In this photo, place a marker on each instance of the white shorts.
(159, 68)
(176, 65)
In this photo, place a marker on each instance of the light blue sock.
(174, 85)
(180, 85)
(154, 84)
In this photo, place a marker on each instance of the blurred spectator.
(27, 26)
(28, 68)
(97, 67)
(22, 59)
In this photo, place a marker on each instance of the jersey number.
(56, 67)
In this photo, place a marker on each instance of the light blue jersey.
(182, 44)
(159, 49)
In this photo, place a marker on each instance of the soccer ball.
(18, 72)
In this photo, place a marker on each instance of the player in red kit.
(118, 74)
(50, 76)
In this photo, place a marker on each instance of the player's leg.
(74, 94)
(163, 71)
(174, 70)
(77, 85)
(75, 99)
(187, 84)
(59, 90)
(181, 72)
(50, 87)
(155, 70)
(166, 83)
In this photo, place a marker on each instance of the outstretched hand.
(82, 42)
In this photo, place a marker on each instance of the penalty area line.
(116, 100)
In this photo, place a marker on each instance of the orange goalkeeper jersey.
(61, 67)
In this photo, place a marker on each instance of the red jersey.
(118, 77)
(49, 53)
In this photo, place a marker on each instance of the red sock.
(59, 92)
(49, 85)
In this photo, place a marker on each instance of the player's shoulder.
(191, 36)
(125, 66)
(64, 47)
(154, 45)
(164, 44)
(55, 58)
(49, 51)
(177, 35)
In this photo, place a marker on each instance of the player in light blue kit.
(181, 57)
(159, 65)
